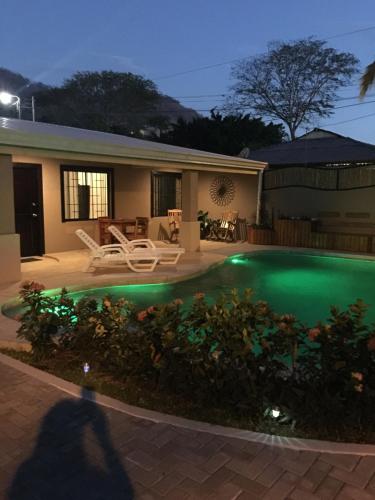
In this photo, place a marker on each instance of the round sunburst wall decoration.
(222, 190)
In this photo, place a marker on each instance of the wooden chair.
(225, 228)
(174, 220)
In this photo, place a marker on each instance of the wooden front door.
(28, 203)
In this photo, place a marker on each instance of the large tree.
(292, 82)
(106, 101)
(224, 134)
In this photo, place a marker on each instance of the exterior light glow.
(275, 413)
(6, 98)
(86, 368)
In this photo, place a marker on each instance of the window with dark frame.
(86, 193)
(165, 193)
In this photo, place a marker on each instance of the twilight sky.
(47, 41)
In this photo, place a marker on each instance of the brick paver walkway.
(56, 447)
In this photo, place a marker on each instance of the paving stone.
(255, 467)
(329, 488)
(177, 494)
(298, 494)
(146, 478)
(168, 483)
(192, 472)
(349, 492)
(142, 459)
(270, 474)
(347, 462)
(196, 490)
(282, 487)
(249, 485)
(297, 462)
(315, 475)
(360, 475)
(215, 462)
(219, 478)
(229, 491)
(163, 438)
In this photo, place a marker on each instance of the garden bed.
(233, 363)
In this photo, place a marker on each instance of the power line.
(224, 63)
(350, 32)
(350, 120)
(202, 95)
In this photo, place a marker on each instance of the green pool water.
(304, 285)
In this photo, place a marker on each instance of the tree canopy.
(224, 134)
(106, 101)
(294, 82)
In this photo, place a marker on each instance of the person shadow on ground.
(73, 458)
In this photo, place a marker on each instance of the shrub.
(235, 354)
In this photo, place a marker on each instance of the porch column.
(10, 263)
(259, 197)
(189, 232)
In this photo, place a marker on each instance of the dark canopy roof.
(318, 147)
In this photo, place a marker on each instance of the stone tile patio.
(53, 446)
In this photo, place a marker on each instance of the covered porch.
(52, 151)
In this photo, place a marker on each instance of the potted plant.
(205, 224)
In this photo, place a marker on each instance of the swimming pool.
(296, 283)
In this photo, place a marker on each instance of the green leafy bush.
(236, 354)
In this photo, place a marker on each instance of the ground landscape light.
(275, 413)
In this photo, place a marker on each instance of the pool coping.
(164, 280)
(313, 445)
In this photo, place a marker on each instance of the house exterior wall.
(10, 268)
(351, 211)
(245, 198)
(132, 197)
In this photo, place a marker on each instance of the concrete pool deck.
(64, 269)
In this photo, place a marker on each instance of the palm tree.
(368, 79)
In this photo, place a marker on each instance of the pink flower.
(358, 387)
(313, 334)
(178, 302)
(357, 376)
(107, 303)
(199, 296)
(142, 315)
(37, 287)
(151, 309)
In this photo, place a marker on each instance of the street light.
(7, 99)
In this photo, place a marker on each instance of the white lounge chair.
(117, 254)
(167, 256)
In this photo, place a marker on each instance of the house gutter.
(61, 148)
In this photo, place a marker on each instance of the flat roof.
(38, 137)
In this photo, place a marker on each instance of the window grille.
(86, 193)
(165, 193)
